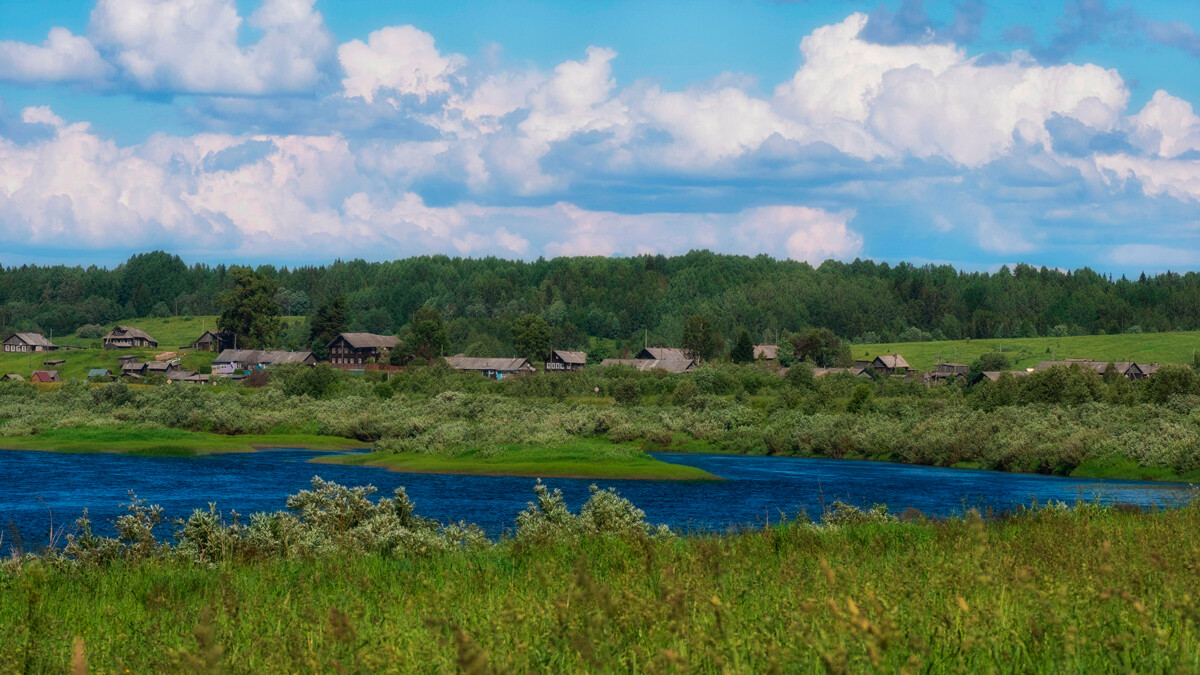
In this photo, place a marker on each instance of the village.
(361, 352)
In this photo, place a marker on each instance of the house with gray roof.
(563, 361)
(359, 348)
(28, 342)
(128, 337)
(492, 368)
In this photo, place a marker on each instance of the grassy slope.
(1145, 347)
(167, 442)
(1084, 592)
(172, 334)
(581, 459)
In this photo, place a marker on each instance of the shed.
(44, 376)
(13, 377)
(97, 373)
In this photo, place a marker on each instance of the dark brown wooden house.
(28, 342)
(890, 364)
(945, 371)
(213, 341)
(562, 361)
(128, 337)
(359, 348)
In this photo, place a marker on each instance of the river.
(38, 488)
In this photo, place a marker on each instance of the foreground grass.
(1093, 590)
(1175, 347)
(585, 458)
(167, 442)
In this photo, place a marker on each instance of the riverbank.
(1042, 591)
(585, 458)
(168, 442)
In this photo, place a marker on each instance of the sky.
(1059, 133)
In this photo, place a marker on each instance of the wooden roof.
(31, 339)
(263, 357)
(663, 353)
(891, 361)
(669, 365)
(579, 358)
(500, 365)
(14, 377)
(127, 332)
(368, 340)
(768, 352)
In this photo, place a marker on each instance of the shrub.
(860, 399)
(625, 391)
(90, 331)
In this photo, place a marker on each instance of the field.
(584, 458)
(1085, 591)
(1027, 352)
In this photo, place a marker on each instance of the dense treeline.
(627, 299)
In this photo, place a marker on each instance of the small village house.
(128, 337)
(161, 367)
(492, 368)
(562, 361)
(890, 364)
(53, 363)
(994, 375)
(28, 342)
(1128, 369)
(12, 377)
(233, 361)
(44, 376)
(359, 348)
(213, 341)
(96, 374)
(134, 369)
(670, 359)
(945, 371)
(856, 371)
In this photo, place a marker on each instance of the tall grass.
(1091, 589)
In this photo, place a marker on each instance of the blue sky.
(290, 131)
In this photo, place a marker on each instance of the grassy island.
(582, 459)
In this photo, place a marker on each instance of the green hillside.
(1176, 347)
(172, 334)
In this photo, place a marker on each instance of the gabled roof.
(579, 358)
(501, 365)
(892, 361)
(369, 340)
(133, 367)
(127, 332)
(99, 372)
(768, 352)
(857, 371)
(14, 377)
(32, 339)
(256, 357)
(669, 365)
(159, 366)
(1098, 366)
(45, 375)
(994, 375)
(663, 353)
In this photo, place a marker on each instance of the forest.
(626, 300)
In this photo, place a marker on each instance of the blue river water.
(38, 488)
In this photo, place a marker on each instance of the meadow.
(1172, 347)
(1051, 589)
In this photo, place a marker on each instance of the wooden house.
(945, 371)
(44, 376)
(12, 377)
(1141, 371)
(99, 374)
(128, 337)
(161, 367)
(134, 369)
(28, 342)
(562, 361)
(496, 369)
(240, 360)
(856, 371)
(213, 341)
(890, 364)
(766, 352)
(359, 348)
(53, 363)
